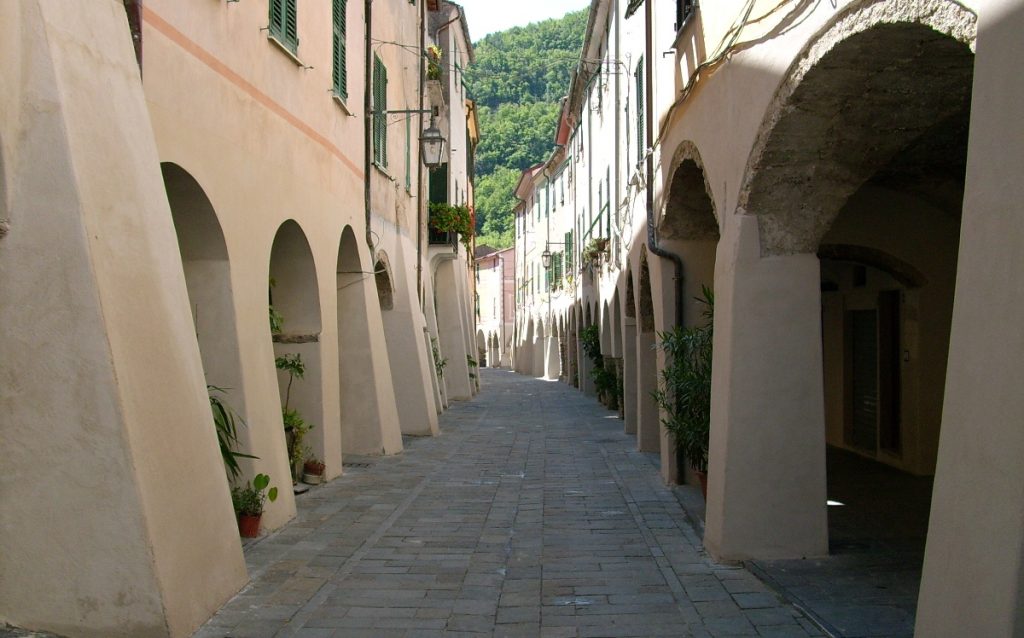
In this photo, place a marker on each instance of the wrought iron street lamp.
(432, 146)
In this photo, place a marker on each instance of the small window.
(380, 115)
(339, 72)
(684, 9)
(283, 23)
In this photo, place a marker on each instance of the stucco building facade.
(239, 155)
(828, 169)
(495, 307)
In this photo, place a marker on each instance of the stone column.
(629, 382)
(648, 426)
(766, 484)
(973, 579)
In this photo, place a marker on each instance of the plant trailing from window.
(225, 421)
(434, 54)
(684, 389)
(448, 218)
(594, 250)
(295, 427)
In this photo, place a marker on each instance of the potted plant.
(313, 471)
(448, 218)
(249, 500)
(684, 389)
(225, 422)
(594, 250)
(434, 54)
(295, 426)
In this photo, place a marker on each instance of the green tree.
(518, 80)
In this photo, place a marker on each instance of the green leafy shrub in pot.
(249, 499)
(225, 422)
(684, 386)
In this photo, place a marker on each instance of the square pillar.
(766, 483)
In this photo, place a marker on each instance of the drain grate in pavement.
(357, 465)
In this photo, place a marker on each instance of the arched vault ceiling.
(870, 103)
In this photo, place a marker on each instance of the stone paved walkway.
(531, 515)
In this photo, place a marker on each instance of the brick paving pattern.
(531, 515)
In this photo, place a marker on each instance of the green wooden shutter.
(380, 107)
(283, 23)
(640, 97)
(339, 70)
(408, 152)
(568, 252)
(291, 30)
(277, 19)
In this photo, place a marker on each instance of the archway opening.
(630, 379)
(690, 229)
(648, 418)
(369, 421)
(294, 300)
(204, 257)
(868, 173)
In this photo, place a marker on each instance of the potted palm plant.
(684, 389)
(249, 500)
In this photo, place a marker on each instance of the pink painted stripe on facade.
(224, 71)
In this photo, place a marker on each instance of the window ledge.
(284, 49)
(340, 101)
(383, 169)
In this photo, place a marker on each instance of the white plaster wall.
(99, 310)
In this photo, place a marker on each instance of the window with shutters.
(339, 72)
(568, 252)
(640, 98)
(283, 24)
(408, 157)
(380, 115)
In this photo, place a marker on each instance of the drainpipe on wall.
(420, 231)
(652, 239)
(618, 129)
(368, 123)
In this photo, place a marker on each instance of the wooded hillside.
(518, 80)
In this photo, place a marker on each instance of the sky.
(488, 16)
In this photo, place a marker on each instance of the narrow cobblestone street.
(531, 515)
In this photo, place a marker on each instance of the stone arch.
(369, 414)
(207, 268)
(629, 357)
(481, 348)
(860, 160)
(839, 115)
(648, 420)
(903, 272)
(295, 298)
(385, 282)
(455, 334)
(689, 211)
(606, 329)
(616, 324)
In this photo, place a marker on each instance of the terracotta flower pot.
(703, 478)
(249, 526)
(311, 479)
